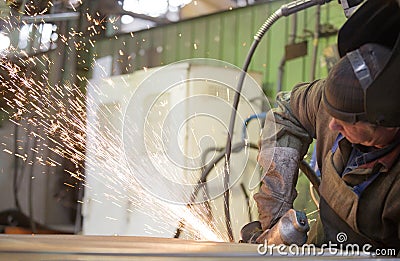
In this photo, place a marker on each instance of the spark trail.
(57, 118)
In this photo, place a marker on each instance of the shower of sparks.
(54, 122)
(59, 116)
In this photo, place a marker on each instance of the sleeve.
(293, 122)
(288, 131)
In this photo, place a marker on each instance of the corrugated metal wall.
(225, 36)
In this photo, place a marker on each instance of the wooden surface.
(77, 247)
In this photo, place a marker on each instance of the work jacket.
(373, 217)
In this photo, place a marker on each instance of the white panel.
(108, 210)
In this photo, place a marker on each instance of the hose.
(264, 28)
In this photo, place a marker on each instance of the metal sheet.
(76, 247)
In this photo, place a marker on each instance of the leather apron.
(338, 207)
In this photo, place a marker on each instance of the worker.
(358, 160)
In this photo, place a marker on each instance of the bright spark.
(56, 126)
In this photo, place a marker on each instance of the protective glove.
(291, 229)
(277, 193)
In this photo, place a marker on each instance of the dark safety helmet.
(345, 87)
(376, 21)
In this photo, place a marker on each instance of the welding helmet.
(350, 6)
(377, 21)
(345, 86)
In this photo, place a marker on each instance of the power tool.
(291, 228)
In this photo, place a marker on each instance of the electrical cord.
(235, 148)
(202, 181)
(247, 198)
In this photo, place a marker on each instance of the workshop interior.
(131, 128)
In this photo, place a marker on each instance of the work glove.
(291, 229)
(277, 193)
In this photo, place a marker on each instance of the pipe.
(315, 43)
(292, 38)
(50, 17)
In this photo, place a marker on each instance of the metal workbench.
(78, 247)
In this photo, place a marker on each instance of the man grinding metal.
(354, 115)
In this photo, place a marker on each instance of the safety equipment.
(349, 79)
(291, 228)
(377, 22)
(373, 22)
(278, 189)
(350, 6)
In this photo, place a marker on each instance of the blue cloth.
(360, 156)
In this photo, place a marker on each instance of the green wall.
(226, 36)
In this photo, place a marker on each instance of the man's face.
(364, 133)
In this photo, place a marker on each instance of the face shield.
(377, 22)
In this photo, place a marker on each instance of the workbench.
(79, 247)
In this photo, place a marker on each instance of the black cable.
(247, 198)
(202, 181)
(204, 187)
(208, 150)
(236, 148)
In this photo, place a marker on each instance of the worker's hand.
(291, 228)
(278, 190)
